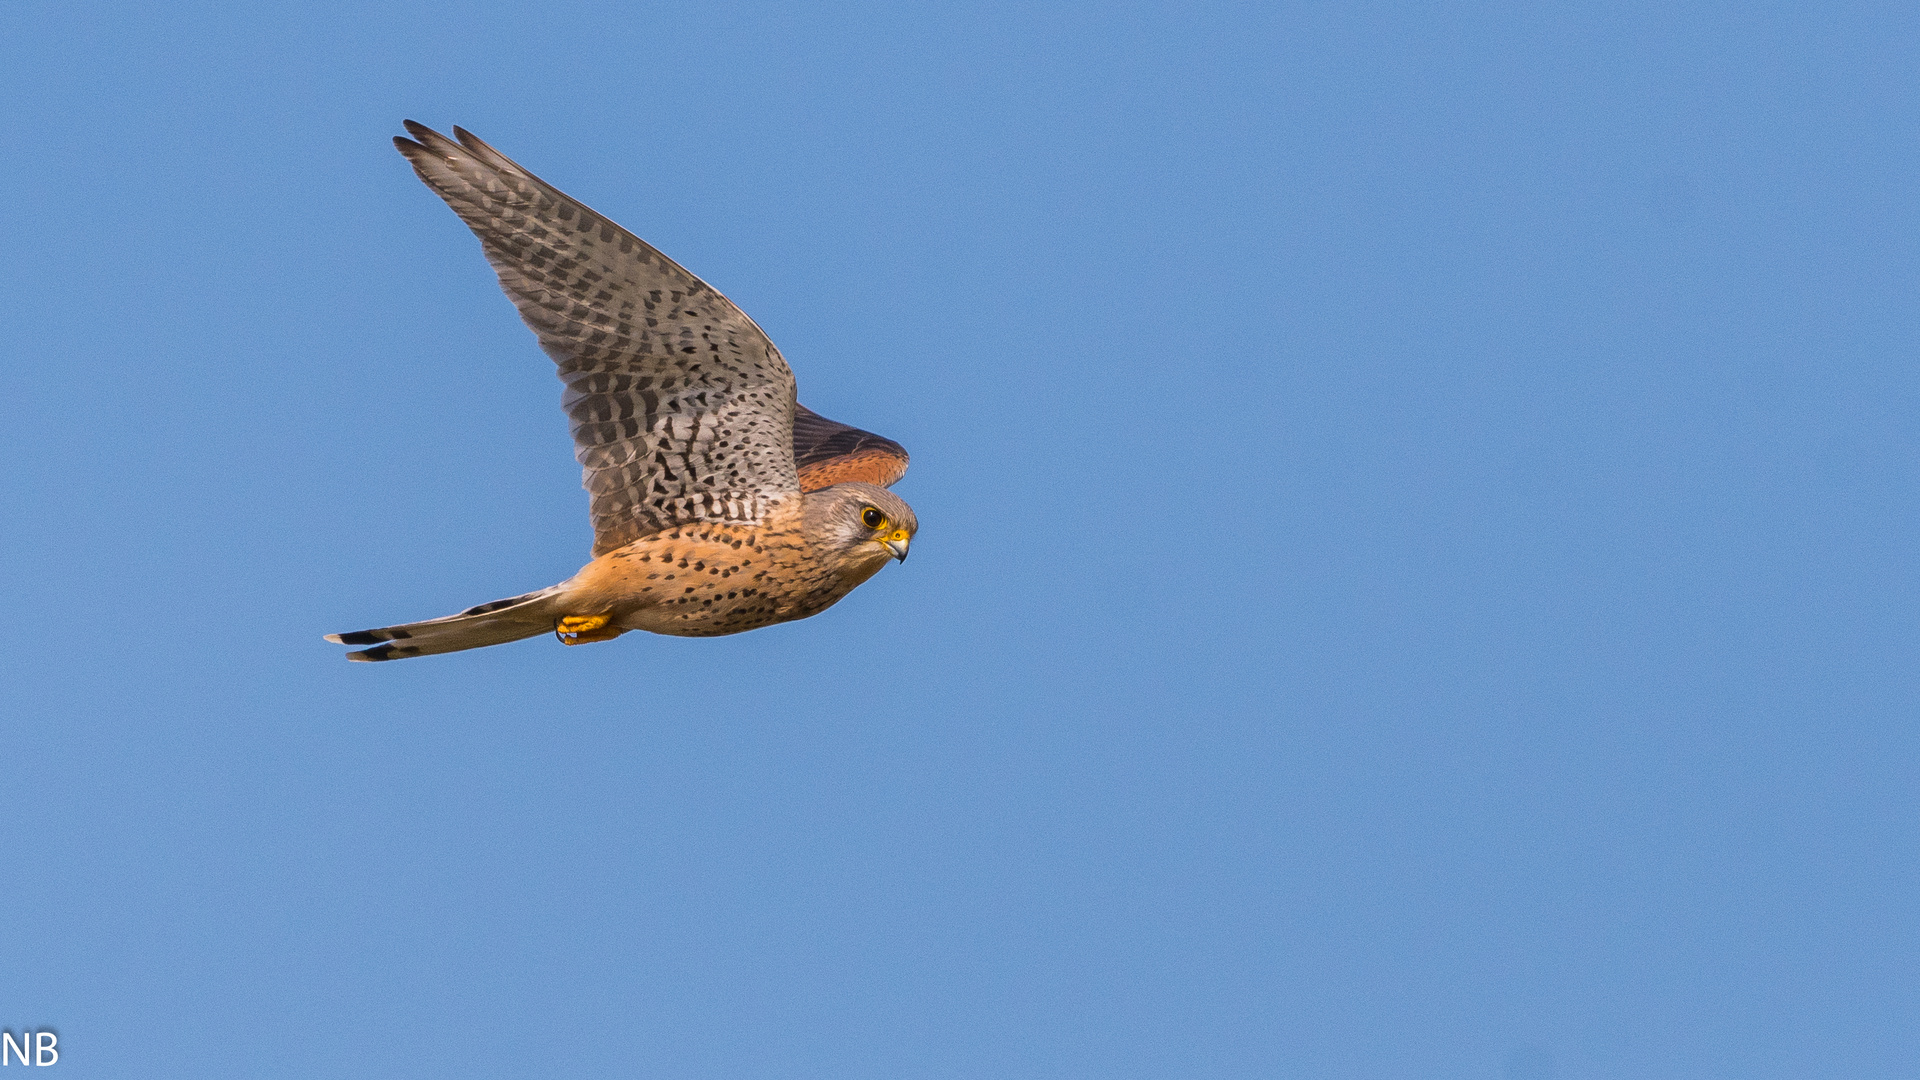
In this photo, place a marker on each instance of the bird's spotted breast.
(707, 580)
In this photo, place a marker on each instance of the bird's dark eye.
(873, 518)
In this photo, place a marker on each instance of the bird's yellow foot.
(580, 629)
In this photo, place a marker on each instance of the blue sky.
(1417, 571)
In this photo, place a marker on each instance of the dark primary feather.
(680, 407)
(828, 452)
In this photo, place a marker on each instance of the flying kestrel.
(719, 503)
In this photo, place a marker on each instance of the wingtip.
(361, 658)
(334, 638)
(425, 140)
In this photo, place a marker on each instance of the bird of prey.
(719, 503)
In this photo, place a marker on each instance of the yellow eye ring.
(873, 519)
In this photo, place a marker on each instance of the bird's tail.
(489, 624)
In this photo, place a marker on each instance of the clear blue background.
(1418, 575)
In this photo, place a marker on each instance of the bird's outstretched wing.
(681, 409)
(829, 453)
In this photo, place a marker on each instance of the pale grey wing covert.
(681, 409)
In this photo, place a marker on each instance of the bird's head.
(863, 524)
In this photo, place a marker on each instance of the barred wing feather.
(681, 409)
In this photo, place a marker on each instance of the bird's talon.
(581, 629)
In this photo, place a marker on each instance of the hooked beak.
(896, 542)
